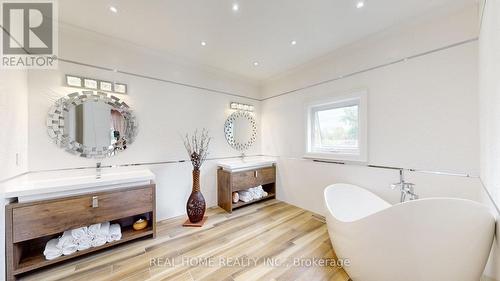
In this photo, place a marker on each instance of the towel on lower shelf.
(115, 233)
(82, 238)
(51, 250)
(84, 244)
(67, 243)
(101, 235)
(93, 230)
(245, 195)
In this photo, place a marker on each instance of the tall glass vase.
(196, 206)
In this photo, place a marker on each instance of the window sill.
(336, 157)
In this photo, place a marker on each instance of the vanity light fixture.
(94, 84)
(90, 83)
(241, 106)
(105, 86)
(73, 81)
(120, 88)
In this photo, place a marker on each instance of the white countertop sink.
(55, 184)
(247, 163)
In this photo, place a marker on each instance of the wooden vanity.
(230, 181)
(30, 225)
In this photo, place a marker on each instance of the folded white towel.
(67, 243)
(115, 233)
(51, 250)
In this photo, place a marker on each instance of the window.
(337, 129)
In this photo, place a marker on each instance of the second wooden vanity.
(229, 182)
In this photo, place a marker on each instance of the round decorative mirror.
(91, 124)
(240, 130)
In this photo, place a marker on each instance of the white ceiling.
(261, 30)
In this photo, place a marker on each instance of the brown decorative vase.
(195, 206)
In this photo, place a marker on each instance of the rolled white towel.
(93, 230)
(67, 243)
(244, 193)
(51, 250)
(104, 229)
(255, 193)
(80, 233)
(84, 244)
(115, 233)
(101, 236)
(98, 241)
(246, 198)
(82, 238)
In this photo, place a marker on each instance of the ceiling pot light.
(203, 43)
(255, 64)
(293, 43)
(360, 4)
(236, 7)
(113, 9)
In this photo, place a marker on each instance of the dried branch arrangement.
(197, 147)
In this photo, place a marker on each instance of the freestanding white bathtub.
(435, 239)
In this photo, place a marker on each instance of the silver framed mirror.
(91, 124)
(240, 130)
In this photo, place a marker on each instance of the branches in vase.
(197, 147)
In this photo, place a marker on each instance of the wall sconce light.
(241, 106)
(94, 84)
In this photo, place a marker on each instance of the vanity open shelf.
(231, 181)
(30, 225)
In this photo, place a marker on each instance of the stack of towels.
(81, 239)
(252, 194)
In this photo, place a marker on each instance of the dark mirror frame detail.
(55, 123)
(229, 129)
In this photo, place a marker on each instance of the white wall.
(13, 136)
(489, 112)
(164, 111)
(422, 113)
(14, 122)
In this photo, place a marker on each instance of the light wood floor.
(273, 230)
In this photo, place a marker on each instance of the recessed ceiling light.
(236, 7)
(203, 43)
(293, 43)
(113, 9)
(255, 63)
(360, 4)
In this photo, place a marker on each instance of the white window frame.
(359, 98)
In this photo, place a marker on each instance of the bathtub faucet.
(98, 170)
(407, 189)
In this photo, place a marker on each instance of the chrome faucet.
(407, 189)
(98, 170)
